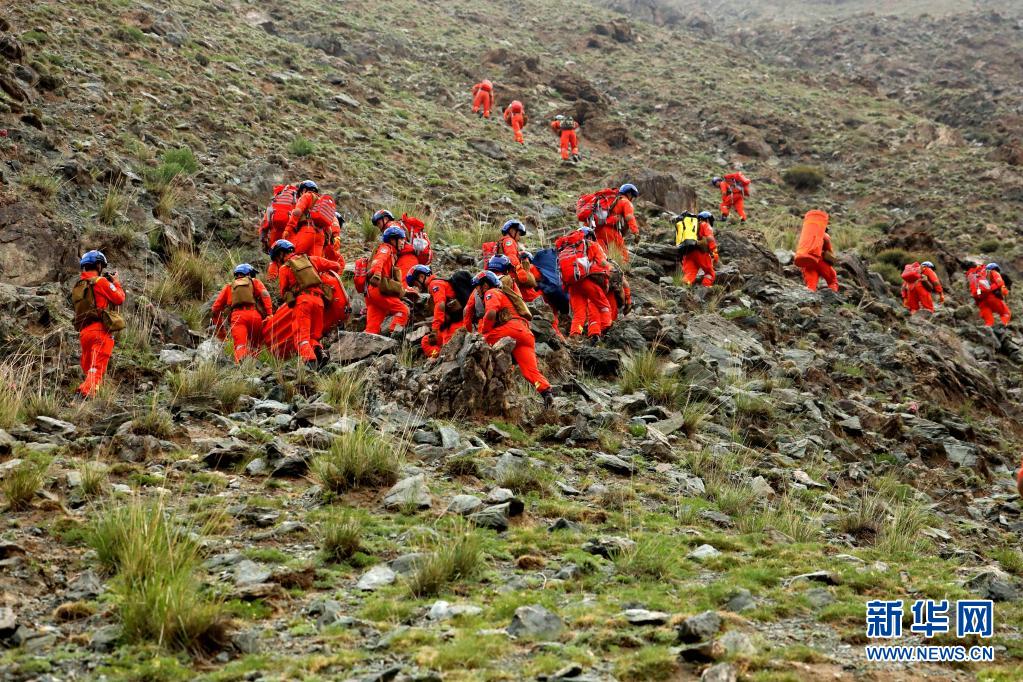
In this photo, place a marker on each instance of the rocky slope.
(722, 485)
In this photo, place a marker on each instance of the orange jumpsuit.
(569, 140)
(918, 294)
(993, 302)
(442, 328)
(611, 233)
(307, 238)
(483, 97)
(516, 328)
(588, 297)
(336, 312)
(96, 342)
(812, 275)
(695, 260)
(307, 326)
(378, 306)
(515, 116)
(246, 321)
(733, 194)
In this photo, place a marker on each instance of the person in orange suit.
(591, 311)
(276, 215)
(447, 310)
(332, 247)
(95, 297)
(824, 268)
(917, 294)
(500, 320)
(337, 310)
(302, 290)
(734, 190)
(247, 302)
(384, 291)
(482, 98)
(565, 127)
(989, 291)
(301, 231)
(417, 249)
(510, 249)
(515, 116)
(1019, 480)
(609, 235)
(704, 256)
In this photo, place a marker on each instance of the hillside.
(724, 482)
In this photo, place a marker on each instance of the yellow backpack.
(687, 231)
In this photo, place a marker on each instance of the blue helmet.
(705, 215)
(928, 264)
(392, 233)
(308, 186)
(525, 255)
(488, 277)
(992, 266)
(629, 188)
(516, 223)
(381, 214)
(244, 270)
(93, 258)
(281, 246)
(416, 270)
(340, 218)
(588, 232)
(499, 263)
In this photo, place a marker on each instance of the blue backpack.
(546, 261)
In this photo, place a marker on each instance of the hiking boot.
(575, 158)
(548, 398)
(312, 365)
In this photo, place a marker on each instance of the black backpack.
(461, 282)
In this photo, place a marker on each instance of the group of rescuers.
(579, 277)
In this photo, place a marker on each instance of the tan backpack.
(83, 298)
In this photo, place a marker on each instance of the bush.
(157, 592)
(358, 459)
(21, 484)
(182, 158)
(300, 146)
(153, 422)
(113, 203)
(45, 185)
(190, 277)
(643, 373)
(343, 390)
(340, 537)
(804, 177)
(206, 383)
(653, 557)
(458, 560)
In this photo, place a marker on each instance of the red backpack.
(594, 209)
(911, 273)
(572, 261)
(489, 251)
(279, 211)
(361, 274)
(980, 284)
(322, 213)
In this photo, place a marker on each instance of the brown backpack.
(243, 293)
(508, 289)
(83, 298)
(306, 279)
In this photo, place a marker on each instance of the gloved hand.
(431, 338)
(941, 297)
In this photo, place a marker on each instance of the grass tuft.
(460, 559)
(21, 484)
(804, 177)
(343, 390)
(340, 536)
(157, 591)
(360, 459)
